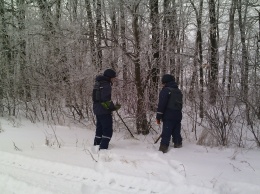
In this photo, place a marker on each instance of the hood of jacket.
(101, 78)
(171, 84)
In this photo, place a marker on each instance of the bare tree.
(198, 56)
(7, 66)
(123, 41)
(173, 35)
(58, 13)
(25, 85)
(99, 35)
(245, 58)
(49, 59)
(213, 82)
(219, 122)
(232, 34)
(74, 9)
(91, 33)
(154, 18)
(141, 118)
(4, 45)
(166, 15)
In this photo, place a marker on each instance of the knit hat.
(167, 78)
(110, 73)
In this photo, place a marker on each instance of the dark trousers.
(104, 130)
(171, 128)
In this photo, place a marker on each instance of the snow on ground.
(28, 165)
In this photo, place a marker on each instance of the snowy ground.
(29, 166)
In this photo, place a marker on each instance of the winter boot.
(163, 148)
(177, 145)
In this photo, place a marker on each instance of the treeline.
(51, 51)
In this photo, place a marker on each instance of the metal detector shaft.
(159, 136)
(124, 124)
(158, 139)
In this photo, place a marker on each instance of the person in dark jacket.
(169, 111)
(103, 107)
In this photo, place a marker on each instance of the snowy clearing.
(28, 165)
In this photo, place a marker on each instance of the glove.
(158, 121)
(106, 104)
(117, 106)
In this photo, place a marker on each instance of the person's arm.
(163, 101)
(107, 103)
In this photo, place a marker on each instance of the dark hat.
(167, 78)
(109, 73)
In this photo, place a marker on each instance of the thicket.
(51, 52)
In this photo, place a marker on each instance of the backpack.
(96, 94)
(175, 100)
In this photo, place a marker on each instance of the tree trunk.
(225, 62)
(141, 118)
(91, 33)
(231, 43)
(58, 14)
(24, 88)
(245, 62)
(99, 35)
(4, 55)
(6, 65)
(165, 35)
(198, 56)
(74, 10)
(213, 82)
(173, 29)
(47, 18)
(123, 43)
(114, 35)
(154, 18)
(201, 61)
(245, 56)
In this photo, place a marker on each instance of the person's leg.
(107, 127)
(176, 134)
(166, 136)
(99, 133)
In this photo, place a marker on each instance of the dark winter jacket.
(106, 89)
(163, 112)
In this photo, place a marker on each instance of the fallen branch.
(90, 154)
(234, 168)
(16, 148)
(248, 164)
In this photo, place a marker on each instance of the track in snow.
(40, 176)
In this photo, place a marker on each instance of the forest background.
(51, 51)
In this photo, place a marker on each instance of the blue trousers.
(171, 128)
(104, 130)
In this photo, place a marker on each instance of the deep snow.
(29, 166)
